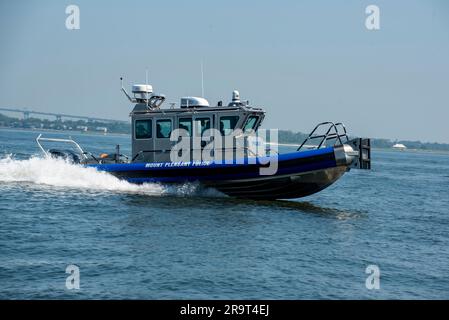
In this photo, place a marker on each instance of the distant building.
(82, 128)
(102, 129)
(399, 146)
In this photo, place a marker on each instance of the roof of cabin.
(141, 108)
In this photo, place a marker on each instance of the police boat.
(221, 147)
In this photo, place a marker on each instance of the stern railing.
(332, 130)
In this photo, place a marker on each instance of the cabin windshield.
(250, 124)
(227, 124)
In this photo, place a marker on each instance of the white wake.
(59, 173)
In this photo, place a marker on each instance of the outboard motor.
(67, 155)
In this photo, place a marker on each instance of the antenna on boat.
(126, 93)
(140, 91)
(146, 82)
(202, 80)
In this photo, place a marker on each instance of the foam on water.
(59, 173)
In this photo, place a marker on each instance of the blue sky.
(304, 61)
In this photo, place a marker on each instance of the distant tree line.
(66, 124)
(287, 136)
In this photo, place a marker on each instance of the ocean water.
(185, 242)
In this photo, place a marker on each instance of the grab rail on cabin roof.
(332, 132)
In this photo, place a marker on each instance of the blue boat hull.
(298, 174)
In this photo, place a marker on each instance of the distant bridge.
(59, 116)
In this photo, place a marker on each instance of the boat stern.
(355, 153)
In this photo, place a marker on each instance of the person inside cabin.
(159, 130)
(141, 131)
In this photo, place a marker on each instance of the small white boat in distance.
(399, 146)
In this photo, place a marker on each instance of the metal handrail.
(328, 135)
(39, 138)
(90, 154)
(84, 154)
(345, 134)
(144, 151)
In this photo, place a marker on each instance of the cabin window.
(250, 123)
(202, 125)
(227, 124)
(163, 128)
(186, 124)
(143, 129)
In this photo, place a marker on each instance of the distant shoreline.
(285, 137)
(93, 133)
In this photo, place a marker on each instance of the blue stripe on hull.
(130, 167)
(291, 170)
(119, 167)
